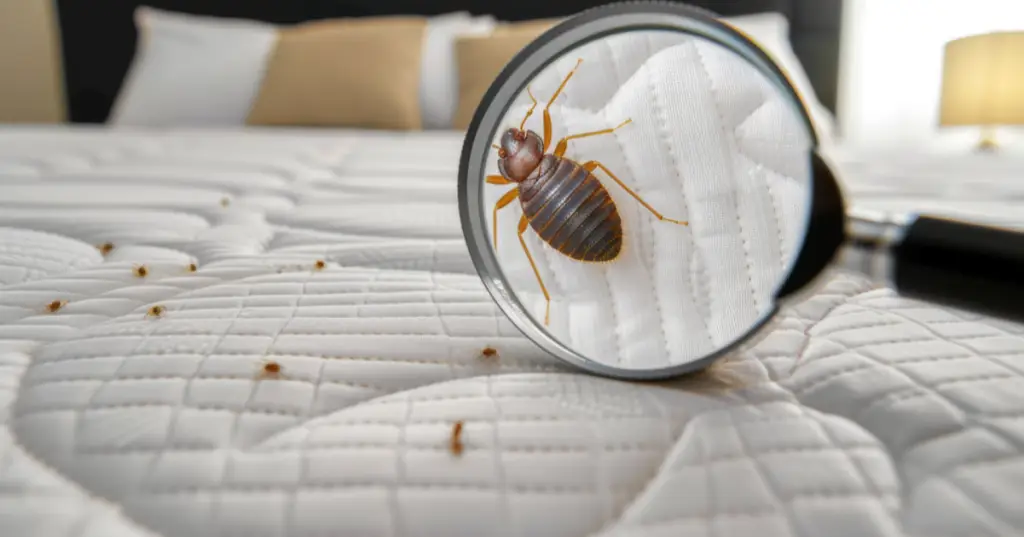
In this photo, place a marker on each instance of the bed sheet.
(859, 414)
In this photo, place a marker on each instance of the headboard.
(98, 37)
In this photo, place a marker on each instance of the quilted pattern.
(285, 329)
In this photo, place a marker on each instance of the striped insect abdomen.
(570, 209)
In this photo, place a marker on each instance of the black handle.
(966, 266)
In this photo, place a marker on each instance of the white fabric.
(192, 70)
(771, 32)
(439, 70)
(858, 414)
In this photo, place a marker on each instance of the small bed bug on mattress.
(562, 200)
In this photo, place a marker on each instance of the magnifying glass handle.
(966, 266)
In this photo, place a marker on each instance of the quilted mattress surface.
(273, 332)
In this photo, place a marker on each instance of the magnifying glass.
(642, 189)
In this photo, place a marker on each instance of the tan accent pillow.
(480, 60)
(347, 73)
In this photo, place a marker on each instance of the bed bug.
(489, 352)
(155, 311)
(55, 306)
(319, 265)
(562, 200)
(270, 369)
(140, 271)
(105, 248)
(192, 267)
(455, 442)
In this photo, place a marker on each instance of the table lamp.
(983, 84)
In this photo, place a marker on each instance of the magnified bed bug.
(105, 248)
(155, 311)
(319, 265)
(192, 267)
(562, 200)
(55, 306)
(140, 271)
(455, 442)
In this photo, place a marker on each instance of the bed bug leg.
(523, 223)
(507, 198)
(563, 144)
(593, 164)
(547, 113)
(455, 442)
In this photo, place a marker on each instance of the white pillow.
(771, 31)
(192, 70)
(439, 80)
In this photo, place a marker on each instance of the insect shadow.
(562, 199)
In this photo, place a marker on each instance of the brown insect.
(55, 306)
(105, 248)
(192, 267)
(140, 271)
(489, 352)
(562, 200)
(270, 369)
(319, 265)
(155, 311)
(455, 443)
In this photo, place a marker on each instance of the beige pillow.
(347, 73)
(481, 58)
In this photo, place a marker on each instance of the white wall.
(892, 66)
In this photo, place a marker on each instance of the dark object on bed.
(98, 36)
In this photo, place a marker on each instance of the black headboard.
(98, 36)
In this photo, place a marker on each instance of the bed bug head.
(519, 153)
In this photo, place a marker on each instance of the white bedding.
(860, 414)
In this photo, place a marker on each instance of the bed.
(272, 330)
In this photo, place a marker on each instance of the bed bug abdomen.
(571, 210)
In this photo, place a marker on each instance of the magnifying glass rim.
(570, 34)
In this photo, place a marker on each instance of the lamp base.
(988, 142)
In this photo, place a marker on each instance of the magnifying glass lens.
(641, 190)
(644, 195)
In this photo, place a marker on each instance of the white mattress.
(860, 414)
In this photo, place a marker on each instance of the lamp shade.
(983, 80)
